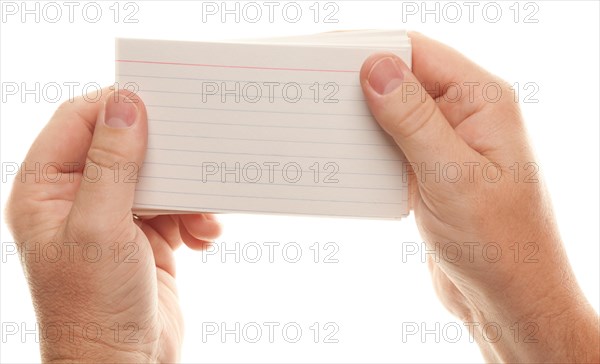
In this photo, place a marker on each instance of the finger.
(117, 150)
(161, 247)
(395, 99)
(470, 98)
(50, 173)
(196, 231)
(455, 82)
(201, 226)
(168, 227)
(191, 241)
(66, 138)
(210, 216)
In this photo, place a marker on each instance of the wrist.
(540, 317)
(87, 354)
(96, 341)
(100, 358)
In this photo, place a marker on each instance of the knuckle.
(504, 105)
(82, 225)
(9, 215)
(68, 105)
(416, 117)
(508, 99)
(14, 213)
(104, 157)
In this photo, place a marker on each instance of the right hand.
(500, 260)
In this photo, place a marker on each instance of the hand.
(499, 257)
(110, 295)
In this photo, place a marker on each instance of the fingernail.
(385, 76)
(120, 112)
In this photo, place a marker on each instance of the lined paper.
(270, 126)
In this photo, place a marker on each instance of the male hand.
(110, 295)
(500, 261)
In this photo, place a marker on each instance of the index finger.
(441, 69)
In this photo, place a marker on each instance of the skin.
(536, 296)
(137, 289)
(540, 294)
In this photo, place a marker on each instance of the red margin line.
(229, 66)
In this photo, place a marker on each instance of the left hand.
(111, 292)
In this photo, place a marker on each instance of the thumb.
(105, 195)
(407, 112)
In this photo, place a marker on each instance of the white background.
(370, 292)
